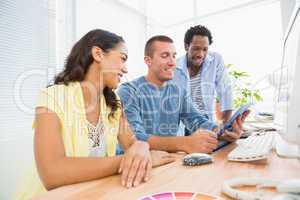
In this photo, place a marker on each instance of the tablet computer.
(228, 124)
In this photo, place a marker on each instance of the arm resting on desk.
(203, 141)
(54, 167)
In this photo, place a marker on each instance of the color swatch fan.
(180, 196)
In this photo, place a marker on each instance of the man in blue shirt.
(203, 73)
(154, 105)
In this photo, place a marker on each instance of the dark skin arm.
(226, 115)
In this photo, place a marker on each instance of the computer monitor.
(287, 105)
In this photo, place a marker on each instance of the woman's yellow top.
(67, 102)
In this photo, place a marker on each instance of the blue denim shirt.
(153, 110)
(214, 82)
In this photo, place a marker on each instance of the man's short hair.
(196, 30)
(149, 44)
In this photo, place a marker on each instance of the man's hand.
(160, 158)
(237, 128)
(136, 164)
(201, 141)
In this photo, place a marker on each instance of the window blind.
(27, 57)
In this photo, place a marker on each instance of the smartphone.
(228, 124)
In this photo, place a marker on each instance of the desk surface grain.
(176, 177)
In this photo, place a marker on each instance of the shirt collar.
(153, 86)
(182, 61)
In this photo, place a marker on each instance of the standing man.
(154, 105)
(203, 73)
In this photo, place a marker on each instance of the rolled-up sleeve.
(191, 116)
(132, 110)
(223, 86)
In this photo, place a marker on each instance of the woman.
(79, 122)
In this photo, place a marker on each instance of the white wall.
(113, 16)
(287, 7)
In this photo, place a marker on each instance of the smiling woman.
(99, 43)
(81, 116)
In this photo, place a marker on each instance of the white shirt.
(96, 136)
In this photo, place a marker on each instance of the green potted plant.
(242, 91)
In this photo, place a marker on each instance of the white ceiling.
(172, 12)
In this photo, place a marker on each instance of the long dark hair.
(80, 58)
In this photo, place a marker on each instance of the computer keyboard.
(256, 147)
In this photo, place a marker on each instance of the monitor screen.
(288, 90)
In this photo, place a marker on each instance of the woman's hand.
(136, 164)
(160, 158)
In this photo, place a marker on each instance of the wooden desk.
(176, 177)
